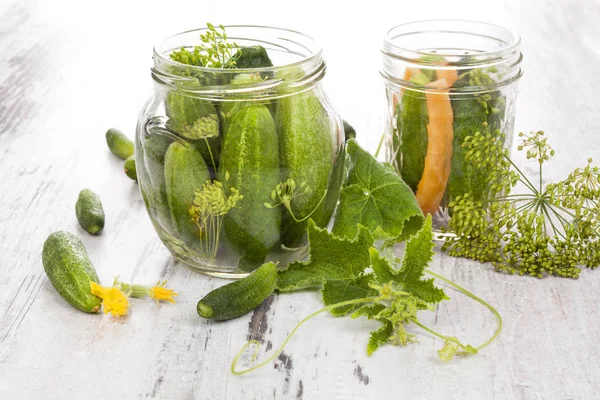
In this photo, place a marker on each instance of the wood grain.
(69, 71)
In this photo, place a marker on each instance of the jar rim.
(511, 39)
(311, 46)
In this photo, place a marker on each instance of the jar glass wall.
(446, 81)
(233, 162)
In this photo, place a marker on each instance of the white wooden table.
(70, 70)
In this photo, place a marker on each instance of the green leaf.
(417, 256)
(331, 259)
(375, 197)
(379, 337)
(336, 291)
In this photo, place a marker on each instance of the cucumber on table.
(70, 270)
(185, 171)
(89, 212)
(129, 168)
(119, 144)
(240, 297)
(307, 156)
(250, 155)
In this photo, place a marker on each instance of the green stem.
(526, 182)
(540, 177)
(287, 339)
(289, 208)
(212, 160)
(462, 346)
(380, 144)
(477, 299)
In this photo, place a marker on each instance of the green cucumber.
(70, 270)
(307, 157)
(119, 144)
(195, 120)
(185, 171)
(250, 156)
(153, 186)
(89, 212)
(239, 298)
(129, 168)
(252, 57)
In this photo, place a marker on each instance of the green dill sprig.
(214, 52)
(210, 205)
(285, 192)
(551, 229)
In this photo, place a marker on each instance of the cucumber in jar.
(307, 155)
(249, 162)
(185, 171)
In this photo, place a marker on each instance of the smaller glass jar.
(232, 163)
(445, 81)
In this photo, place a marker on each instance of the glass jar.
(232, 163)
(445, 81)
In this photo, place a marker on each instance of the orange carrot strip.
(440, 133)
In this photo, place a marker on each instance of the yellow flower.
(160, 292)
(114, 301)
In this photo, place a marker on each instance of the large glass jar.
(446, 81)
(232, 163)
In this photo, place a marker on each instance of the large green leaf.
(376, 197)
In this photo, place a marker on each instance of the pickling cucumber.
(129, 168)
(89, 212)
(70, 270)
(250, 156)
(238, 298)
(119, 144)
(196, 120)
(185, 171)
(252, 57)
(307, 155)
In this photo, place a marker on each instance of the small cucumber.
(119, 144)
(129, 168)
(152, 182)
(252, 57)
(238, 298)
(250, 155)
(185, 171)
(197, 121)
(307, 156)
(89, 211)
(70, 270)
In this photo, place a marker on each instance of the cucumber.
(89, 212)
(250, 155)
(152, 184)
(195, 120)
(238, 298)
(119, 144)
(70, 270)
(252, 57)
(307, 156)
(129, 168)
(185, 171)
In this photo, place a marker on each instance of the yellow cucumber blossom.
(160, 292)
(114, 301)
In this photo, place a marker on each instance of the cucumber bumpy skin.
(238, 298)
(119, 144)
(70, 270)
(250, 155)
(185, 171)
(307, 156)
(129, 168)
(252, 57)
(89, 211)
